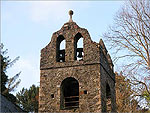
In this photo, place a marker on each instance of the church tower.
(76, 78)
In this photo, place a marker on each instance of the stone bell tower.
(76, 79)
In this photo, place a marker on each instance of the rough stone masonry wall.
(69, 30)
(107, 76)
(88, 77)
(89, 72)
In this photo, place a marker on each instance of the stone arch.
(69, 93)
(78, 51)
(60, 52)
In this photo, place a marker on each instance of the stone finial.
(70, 13)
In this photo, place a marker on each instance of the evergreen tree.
(10, 82)
(27, 99)
(4, 77)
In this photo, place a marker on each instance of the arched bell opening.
(108, 98)
(69, 94)
(60, 49)
(78, 47)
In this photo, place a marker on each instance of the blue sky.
(27, 27)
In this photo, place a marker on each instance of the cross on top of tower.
(70, 13)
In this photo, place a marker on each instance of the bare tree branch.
(129, 37)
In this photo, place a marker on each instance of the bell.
(80, 54)
(62, 55)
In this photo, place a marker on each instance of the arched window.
(69, 94)
(60, 49)
(108, 98)
(78, 47)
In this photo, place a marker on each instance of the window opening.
(60, 49)
(108, 98)
(78, 47)
(52, 95)
(85, 91)
(69, 98)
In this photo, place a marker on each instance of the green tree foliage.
(146, 96)
(8, 84)
(4, 77)
(28, 100)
